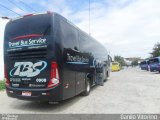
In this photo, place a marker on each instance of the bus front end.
(154, 64)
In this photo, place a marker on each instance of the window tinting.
(69, 35)
(36, 24)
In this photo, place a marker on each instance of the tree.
(120, 60)
(156, 50)
(135, 62)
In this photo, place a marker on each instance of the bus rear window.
(36, 24)
(154, 61)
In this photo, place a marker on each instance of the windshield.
(154, 61)
(29, 25)
(143, 63)
(114, 63)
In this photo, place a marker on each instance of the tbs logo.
(28, 69)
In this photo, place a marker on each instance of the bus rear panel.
(30, 58)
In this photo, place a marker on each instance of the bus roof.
(155, 58)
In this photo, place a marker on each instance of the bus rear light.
(28, 15)
(27, 36)
(54, 75)
(49, 12)
(7, 82)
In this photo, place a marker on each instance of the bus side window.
(69, 36)
(88, 45)
(85, 44)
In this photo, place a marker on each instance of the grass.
(2, 85)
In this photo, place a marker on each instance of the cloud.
(118, 24)
(125, 27)
(128, 29)
(19, 11)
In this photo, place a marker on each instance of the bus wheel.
(106, 77)
(87, 88)
(105, 74)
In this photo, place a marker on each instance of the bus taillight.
(7, 82)
(28, 15)
(54, 75)
(27, 36)
(49, 12)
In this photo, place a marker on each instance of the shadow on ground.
(32, 107)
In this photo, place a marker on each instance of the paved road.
(127, 91)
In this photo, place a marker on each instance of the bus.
(144, 65)
(116, 66)
(47, 58)
(154, 64)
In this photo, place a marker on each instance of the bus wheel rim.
(88, 87)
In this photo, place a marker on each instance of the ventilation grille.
(27, 54)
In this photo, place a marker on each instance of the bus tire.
(104, 74)
(87, 88)
(107, 75)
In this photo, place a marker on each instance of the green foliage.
(156, 50)
(2, 85)
(120, 60)
(135, 62)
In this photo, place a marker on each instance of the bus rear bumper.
(154, 69)
(51, 94)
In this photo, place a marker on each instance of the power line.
(10, 10)
(16, 5)
(28, 6)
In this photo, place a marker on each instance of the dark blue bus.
(47, 58)
(144, 65)
(154, 64)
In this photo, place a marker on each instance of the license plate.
(26, 93)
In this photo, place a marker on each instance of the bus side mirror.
(110, 58)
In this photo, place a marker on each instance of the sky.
(128, 28)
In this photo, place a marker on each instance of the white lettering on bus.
(27, 69)
(30, 42)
